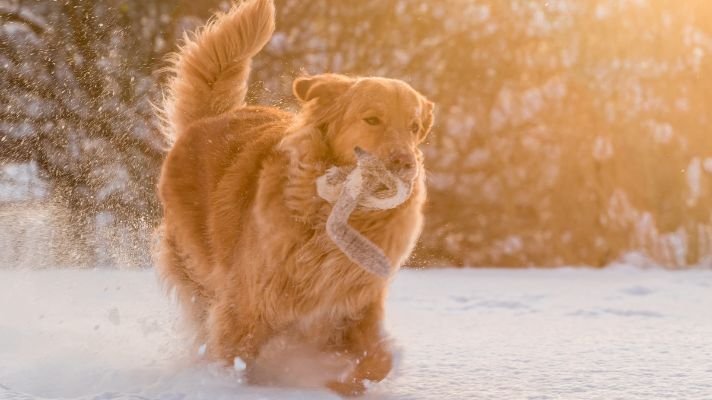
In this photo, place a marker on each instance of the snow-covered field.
(622, 333)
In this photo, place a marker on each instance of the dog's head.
(386, 117)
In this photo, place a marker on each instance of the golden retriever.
(243, 241)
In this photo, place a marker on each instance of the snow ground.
(623, 333)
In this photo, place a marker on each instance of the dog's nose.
(400, 160)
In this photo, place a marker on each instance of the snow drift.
(462, 334)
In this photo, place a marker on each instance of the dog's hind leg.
(172, 268)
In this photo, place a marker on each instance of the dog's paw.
(350, 387)
(375, 367)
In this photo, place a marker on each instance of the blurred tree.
(76, 85)
(551, 117)
(568, 132)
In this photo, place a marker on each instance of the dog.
(243, 242)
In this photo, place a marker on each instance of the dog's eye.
(415, 127)
(373, 121)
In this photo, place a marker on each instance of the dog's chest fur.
(317, 284)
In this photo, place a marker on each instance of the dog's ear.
(426, 116)
(324, 87)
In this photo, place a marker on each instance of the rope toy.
(367, 185)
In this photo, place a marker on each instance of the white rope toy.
(368, 185)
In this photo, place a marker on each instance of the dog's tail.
(209, 72)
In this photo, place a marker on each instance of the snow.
(622, 332)
(20, 182)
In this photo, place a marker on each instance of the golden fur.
(243, 239)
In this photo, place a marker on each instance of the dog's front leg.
(366, 343)
(369, 343)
